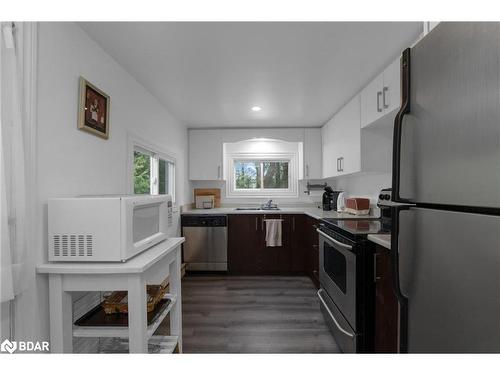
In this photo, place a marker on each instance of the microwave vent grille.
(72, 245)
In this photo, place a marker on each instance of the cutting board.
(214, 192)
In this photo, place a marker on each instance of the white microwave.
(108, 228)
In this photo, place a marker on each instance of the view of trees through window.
(142, 173)
(258, 174)
(152, 174)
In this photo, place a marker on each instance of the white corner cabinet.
(349, 149)
(341, 141)
(205, 154)
(312, 154)
(381, 96)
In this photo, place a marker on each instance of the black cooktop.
(357, 228)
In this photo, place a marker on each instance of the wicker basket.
(117, 302)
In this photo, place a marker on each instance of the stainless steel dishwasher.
(205, 248)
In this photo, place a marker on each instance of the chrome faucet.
(269, 205)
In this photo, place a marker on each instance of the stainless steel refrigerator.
(446, 175)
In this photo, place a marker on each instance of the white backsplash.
(364, 186)
(303, 198)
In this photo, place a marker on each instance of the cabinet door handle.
(384, 90)
(375, 277)
(293, 224)
(307, 170)
(338, 168)
(341, 164)
(218, 172)
(256, 223)
(379, 94)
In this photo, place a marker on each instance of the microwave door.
(146, 222)
(446, 134)
(447, 280)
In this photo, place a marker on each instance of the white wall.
(72, 162)
(366, 185)
(238, 135)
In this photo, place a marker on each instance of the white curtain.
(12, 165)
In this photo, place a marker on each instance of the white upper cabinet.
(312, 153)
(371, 101)
(328, 155)
(391, 92)
(342, 141)
(205, 154)
(348, 140)
(381, 96)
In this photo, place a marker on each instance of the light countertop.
(308, 210)
(137, 264)
(381, 239)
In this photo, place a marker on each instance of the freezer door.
(450, 139)
(449, 270)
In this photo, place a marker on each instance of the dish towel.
(273, 232)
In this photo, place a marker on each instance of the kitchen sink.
(257, 209)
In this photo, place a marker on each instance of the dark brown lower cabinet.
(243, 240)
(386, 304)
(247, 250)
(298, 243)
(249, 255)
(277, 259)
(312, 249)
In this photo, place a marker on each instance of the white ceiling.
(211, 74)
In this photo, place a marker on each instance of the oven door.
(337, 275)
(344, 335)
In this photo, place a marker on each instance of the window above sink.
(262, 168)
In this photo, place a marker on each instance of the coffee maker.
(330, 199)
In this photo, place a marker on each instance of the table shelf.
(156, 345)
(123, 332)
(148, 268)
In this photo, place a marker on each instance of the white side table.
(148, 268)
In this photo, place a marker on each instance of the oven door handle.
(331, 316)
(343, 245)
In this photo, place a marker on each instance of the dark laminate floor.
(252, 314)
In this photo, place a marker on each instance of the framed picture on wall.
(93, 110)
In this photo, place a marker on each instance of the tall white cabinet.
(341, 141)
(205, 154)
(312, 154)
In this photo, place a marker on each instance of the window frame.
(156, 153)
(291, 191)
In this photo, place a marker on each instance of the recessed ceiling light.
(256, 108)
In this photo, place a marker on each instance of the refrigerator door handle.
(398, 123)
(396, 286)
